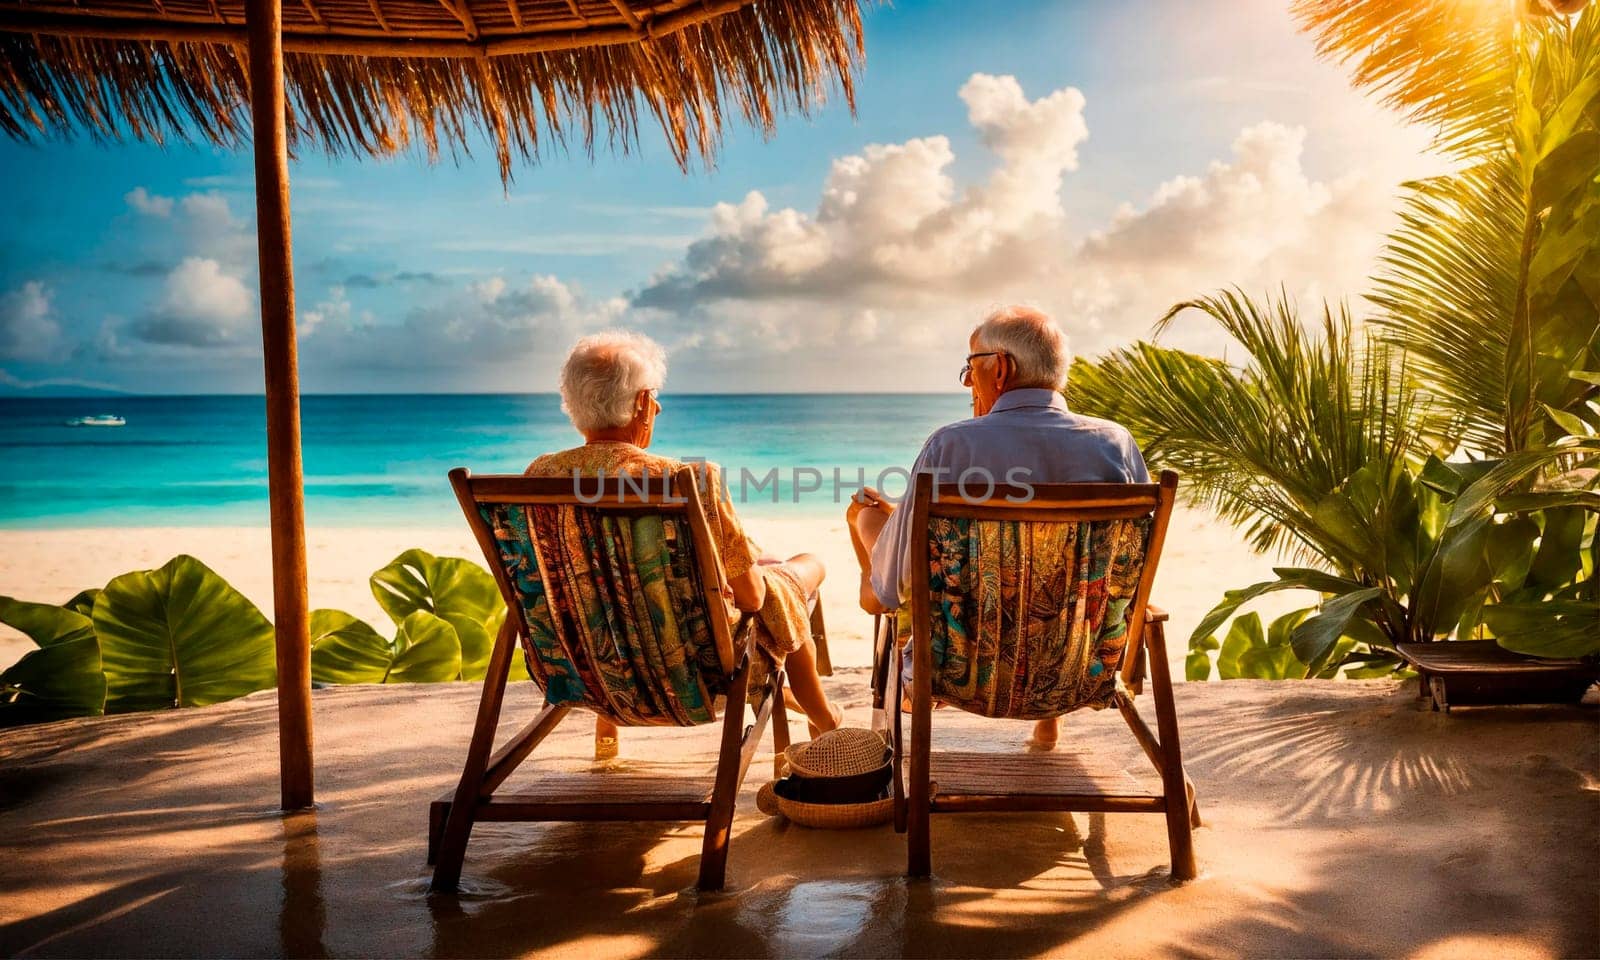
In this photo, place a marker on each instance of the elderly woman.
(1021, 432)
(608, 389)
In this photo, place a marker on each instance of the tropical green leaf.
(1457, 571)
(1567, 421)
(1308, 408)
(458, 590)
(180, 636)
(1557, 629)
(83, 601)
(1450, 477)
(1481, 494)
(1548, 499)
(1289, 578)
(1243, 634)
(1560, 554)
(1446, 65)
(1313, 638)
(1274, 659)
(1197, 665)
(60, 680)
(1570, 167)
(428, 651)
(1510, 551)
(345, 649)
(45, 623)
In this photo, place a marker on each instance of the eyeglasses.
(966, 368)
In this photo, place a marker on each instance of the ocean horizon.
(382, 459)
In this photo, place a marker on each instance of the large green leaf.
(1457, 571)
(1313, 638)
(1561, 628)
(1253, 653)
(458, 590)
(180, 636)
(428, 651)
(345, 649)
(1244, 633)
(1560, 554)
(55, 682)
(83, 601)
(61, 679)
(1197, 665)
(45, 623)
(1289, 578)
(1270, 657)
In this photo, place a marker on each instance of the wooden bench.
(1473, 672)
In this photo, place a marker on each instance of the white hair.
(1032, 340)
(603, 376)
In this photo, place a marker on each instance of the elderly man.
(1021, 432)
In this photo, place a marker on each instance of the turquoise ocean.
(374, 460)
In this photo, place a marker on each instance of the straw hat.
(824, 816)
(844, 761)
(841, 752)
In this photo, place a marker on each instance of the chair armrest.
(1154, 614)
(744, 640)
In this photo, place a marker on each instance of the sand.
(1341, 820)
(1202, 558)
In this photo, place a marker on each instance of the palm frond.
(1447, 292)
(1446, 64)
(1262, 444)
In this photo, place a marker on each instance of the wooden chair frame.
(451, 817)
(917, 799)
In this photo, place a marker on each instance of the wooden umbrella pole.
(264, 22)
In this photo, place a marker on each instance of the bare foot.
(835, 717)
(1045, 734)
(606, 744)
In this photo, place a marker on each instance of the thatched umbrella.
(379, 76)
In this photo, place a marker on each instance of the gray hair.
(1032, 340)
(604, 374)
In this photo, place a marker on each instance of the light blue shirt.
(1029, 436)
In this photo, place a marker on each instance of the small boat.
(98, 420)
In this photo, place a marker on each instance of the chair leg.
(897, 739)
(919, 806)
(719, 823)
(819, 636)
(1179, 805)
(452, 846)
(1152, 748)
(780, 726)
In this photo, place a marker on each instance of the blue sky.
(1098, 158)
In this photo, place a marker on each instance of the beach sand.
(1341, 820)
(1202, 558)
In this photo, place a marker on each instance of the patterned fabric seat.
(1029, 617)
(615, 608)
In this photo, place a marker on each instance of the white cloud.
(898, 261)
(148, 203)
(28, 326)
(891, 223)
(1256, 220)
(486, 332)
(201, 305)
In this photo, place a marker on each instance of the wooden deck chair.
(615, 589)
(1022, 606)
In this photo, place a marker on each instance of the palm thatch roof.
(381, 76)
